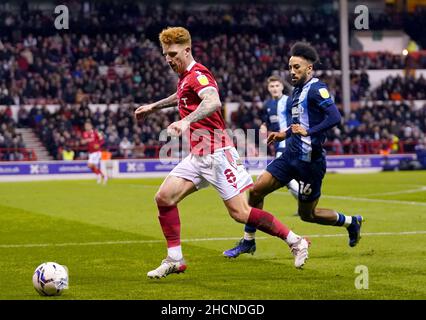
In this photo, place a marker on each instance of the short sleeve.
(201, 80)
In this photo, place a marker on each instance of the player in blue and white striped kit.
(273, 121)
(311, 113)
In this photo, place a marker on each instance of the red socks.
(262, 220)
(170, 223)
(97, 171)
(266, 222)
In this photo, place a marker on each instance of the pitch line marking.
(97, 243)
(422, 189)
(402, 202)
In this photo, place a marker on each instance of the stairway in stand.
(34, 143)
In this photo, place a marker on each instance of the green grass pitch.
(109, 237)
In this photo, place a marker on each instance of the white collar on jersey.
(191, 65)
(311, 81)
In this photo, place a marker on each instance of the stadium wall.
(133, 168)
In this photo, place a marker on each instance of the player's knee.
(315, 214)
(239, 214)
(240, 217)
(163, 199)
(306, 216)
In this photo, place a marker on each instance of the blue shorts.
(308, 174)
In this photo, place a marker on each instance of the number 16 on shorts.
(305, 189)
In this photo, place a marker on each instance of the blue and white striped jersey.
(275, 118)
(312, 107)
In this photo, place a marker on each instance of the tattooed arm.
(167, 102)
(209, 104)
(145, 110)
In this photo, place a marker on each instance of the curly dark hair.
(304, 50)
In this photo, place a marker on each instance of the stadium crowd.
(111, 55)
(401, 88)
(123, 137)
(385, 123)
(11, 143)
(113, 62)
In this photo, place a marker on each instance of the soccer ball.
(50, 279)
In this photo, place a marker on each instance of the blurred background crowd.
(111, 55)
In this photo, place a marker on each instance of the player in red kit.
(94, 140)
(213, 158)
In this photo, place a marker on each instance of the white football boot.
(167, 267)
(300, 252)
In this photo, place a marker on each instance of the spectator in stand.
(138, 149)
(394, 148)
(67, 153)
(352, 122)
(126, 148)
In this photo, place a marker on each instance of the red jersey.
(95, 140)
(208, 134)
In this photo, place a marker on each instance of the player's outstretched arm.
(209, 104)
(143, 111)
